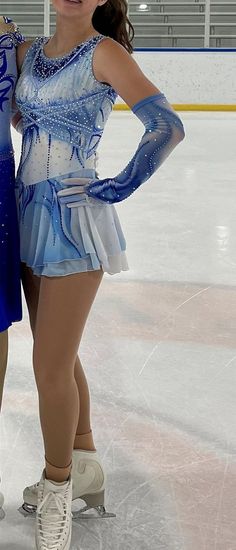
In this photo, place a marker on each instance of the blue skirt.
(10, 292)
(57, 240)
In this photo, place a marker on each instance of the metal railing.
(186, 23)
(158, 23)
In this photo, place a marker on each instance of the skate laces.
(52, 519)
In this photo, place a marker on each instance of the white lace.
(51, 525)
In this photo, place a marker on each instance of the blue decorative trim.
(7, 81)
(205, 50)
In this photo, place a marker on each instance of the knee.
(52, 374)
(53, 384)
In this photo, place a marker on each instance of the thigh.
(31, 286)
(63, 308)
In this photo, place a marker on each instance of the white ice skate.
(53, 516)
(2, 514)
(88, 484)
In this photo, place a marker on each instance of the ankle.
(84, 442)
(56, 473)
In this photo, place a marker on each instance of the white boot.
(53, 516)
(88, 484)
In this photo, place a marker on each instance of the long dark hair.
(111, 20)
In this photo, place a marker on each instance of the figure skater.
(10, 296)
(69, 228)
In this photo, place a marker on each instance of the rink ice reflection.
(160, 354)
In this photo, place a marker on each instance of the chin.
(65, 7)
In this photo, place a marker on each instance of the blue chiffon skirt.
(57, 240)
(10, 292)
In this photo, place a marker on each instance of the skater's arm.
(114, 65)
(16, 118)
(21, 53)
(8, 28)
(163, 128)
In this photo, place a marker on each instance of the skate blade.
(99, 512)
(27, 510)
(2, 514)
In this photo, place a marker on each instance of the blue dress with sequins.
(64, 111)
(10, 296)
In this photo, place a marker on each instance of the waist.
(82, 173)
(50, 158)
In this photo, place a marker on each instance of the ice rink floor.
(160, 354)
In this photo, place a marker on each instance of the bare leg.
(63, 307)
(3, 360)
(84, 436)
(31, 286)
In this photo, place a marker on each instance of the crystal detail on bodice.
(45, 67)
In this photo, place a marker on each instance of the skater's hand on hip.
(75, 194)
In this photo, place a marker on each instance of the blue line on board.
(206, 50)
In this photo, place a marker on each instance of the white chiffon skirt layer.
(57, 240)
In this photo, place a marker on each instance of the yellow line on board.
(204, 107)
(179, 107)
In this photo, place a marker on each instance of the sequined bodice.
(64, 110)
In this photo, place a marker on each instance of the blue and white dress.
(10, 296)
(64, 111)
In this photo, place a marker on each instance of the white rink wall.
(191, 77)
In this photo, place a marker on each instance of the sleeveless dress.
(64, 111)
(10, 294)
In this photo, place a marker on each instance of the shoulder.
(110, 56)
(116, 67)
(108, 49)
(22, 50)
(112, 60)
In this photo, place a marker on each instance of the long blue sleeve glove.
(10, 37)
(163, 131)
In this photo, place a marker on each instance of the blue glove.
(163, 131)
(74, 196)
